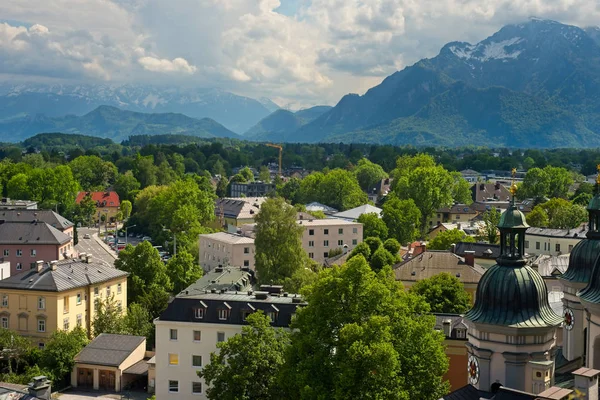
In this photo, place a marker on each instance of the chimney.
(53, 265)
(39, 265)
(459, 226)
(88, 259)
(453, 248)
(82, 256)
(586, 382)
(40, 388)
(419, 249)
(470, 257)
(446, 327)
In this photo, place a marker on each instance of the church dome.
(591, 293)
(594, 203)
(514, 296)
(513, 218)
(581, 261)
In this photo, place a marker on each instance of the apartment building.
(50, 217)
(24, 243)
(322, 235)
(188, 331)
(235, 212)
(107, 203)
(223, 249)
(251, 189)
(58, 295)
(456, 214)
(553, 242)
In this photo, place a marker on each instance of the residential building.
(24, 243)
(233, 279)
(112, 363)
(107, 203)
(553, 242)
(322, 235)
(379, 190)
(188, 331)
(454, 328)
(472, 228)
(11, 204)
(50, 217)
(354, 213)
(316, 206)
(4, 270)
(236, 212)
(470, 175)
(490, 192)
(485, 254)
(433, 262)
(58, 295)
(251, 189)
(223, 249)
(38, 389)
(457, 214)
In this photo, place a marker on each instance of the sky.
(296, 52)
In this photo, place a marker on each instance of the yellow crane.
(280, 152)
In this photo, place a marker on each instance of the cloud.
(163, 65)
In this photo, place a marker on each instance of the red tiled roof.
(103, 199)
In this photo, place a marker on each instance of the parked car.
(86, 236)
(146, 239)
(109, 238)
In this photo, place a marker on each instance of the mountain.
(281, 124)
(268, 104)
(535, 84)
(237, 113)
(113, 123)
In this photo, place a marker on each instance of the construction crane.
(280, 152)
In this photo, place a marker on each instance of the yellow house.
(58, 295)
(236, 211)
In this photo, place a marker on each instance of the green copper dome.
(513, 296)
(594, 203)
(513, 218)
(591, 293)
(581, 261)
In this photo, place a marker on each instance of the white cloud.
(163, 65)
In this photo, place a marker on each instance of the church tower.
(576, 278)
(512, 329)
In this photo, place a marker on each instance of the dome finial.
(598, 177)
(513, 186)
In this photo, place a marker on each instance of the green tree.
(538, 217)
(86, 208)
(247, 364)
(405, 164)
(108, 318)
(536, 184)
(360, 336)
(290, 190)
(559, 181)
(368, 174)
(444, 293)
(247, 174)
(126, 208)
(461, 189)
(137, 321)
(93, 173)
(362, 249)
(445, 240)
(381, 258)
(145, 171)
(222, 186)
(583, 199)
(373, 226)
(264, 174)
(489, 231)
(59, 353)
(393, 246)
(339, 189)
(402, 218)
(374, 244)
(279, 252)
(18, 187)
(557, 213)
(14, 348)
(126, 185)
(183, 271)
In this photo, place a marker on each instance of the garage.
(85, 378)
(107, 380)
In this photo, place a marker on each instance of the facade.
(251, 189)
(225, 249)
(322, 235)
(553, 242)
(58, 295)
(454, 328)
(188, 331)
(24, 243)
(107, 203)
(53, 219)
(471, 228)
(235, 212)
(457, 214)
(112, 363)
(11, 204)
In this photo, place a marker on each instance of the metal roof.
(430, 263)
(48, 216)
(356, 212)
(582, 260)
(229, 238)
(31, 232)
(227, 278)
(109, 349)
(579, 232)
(139, 368)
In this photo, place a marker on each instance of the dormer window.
(461, 333)
(199, 313)
(224, 311)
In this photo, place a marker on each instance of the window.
(197, 336)
(96, 291)
(527, 244)
(108, 291)
(246, 314)
(199, 313)
(65, 304)
(118, 288)
(33, 252)
(326, 231)
(41, 325)
(79, 319)
(557, 247)
(78, 298)
(6, 253)
(173, 386)
(354, 242)
(461, 333)
(340, 242)
(41, 303)
(341, 231)
(41, 345)
(66, 324)
(223, 314)
(173, 359)
(354, 230)
(32, 265)
(325, 243)
(326, 255)
(4, 300)
(246, 263)
(19, 253)
(196, 361)
(19, 267)
(537, 245)
(220, 336)
(246, 250)
(120, 306)
(196, 387)
(458, 217)
(4, 321)
(173, 334)
(311, 243)
(272, 316)
(311, 255)
(311, 232)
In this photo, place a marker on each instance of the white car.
(86, 236)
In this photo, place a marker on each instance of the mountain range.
(281, 124)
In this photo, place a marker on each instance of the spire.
(512, 229)
(513, 186)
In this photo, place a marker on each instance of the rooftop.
(229, 238)
(434, 262)
(109, 349)
(48, 216)
(221, 278)
(326, 222)
(238, 207)
(356, 212)
(482, 250)
(103, 199)
(551, 265)
(316, 206)
(579, 232)
(69, 274)
(31, 232)
(484, 192)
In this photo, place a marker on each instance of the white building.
(322, 235)
(223, 249)
(188, 331)
(553, 242)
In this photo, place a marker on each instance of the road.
(91, 246)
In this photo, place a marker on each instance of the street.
(91, 246)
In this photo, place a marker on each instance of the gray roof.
(69, 274)
(109, 349)
(48, 216)
(576, 233)
(356, 212)
(221, 278)
(551, 265)
(139, 368)
(316, 206)
(31, 233)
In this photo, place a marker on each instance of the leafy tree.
(360, 336)
(14, 347)
(557, 213)
(301, 278)
(247, 364)
(340, 189)
(461, 189)
(222, 186)
(536, 184)
(491, 219)
(444, 293)
(318, 214)
(373, 226)
(93, 173)
(445, 240)
(59, 353)
(145, 171)
(583, 199)
(381, 258)
(362, 249)
(264, 174)
(392, 246)
(183, 271)
(374, 244)
(368, 174)
(126, 185)
(18, 187)
(108, 318)
(310, 188)
(137, 321)
(402, 218)
(538, 217)
(290, 190)
(559, 181)
(86, 208)
(406, 163)
(247, 174)
(279, 252)
(126, 208)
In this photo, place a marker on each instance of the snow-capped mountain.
(237, 113)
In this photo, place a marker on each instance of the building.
(484, 193)
(354, 213)
(457, 214)
(11, 204)
(53, 219)
(38, 389)
(188, 331)
(322, 235)
(24, 243)
(454, 328)
(223, 249)
(316, 206)
(553, 242)
(472, 229)
(379, 190)
(107, 203)
(433, 262)
(485, 254)
(236, 212)
(232, 279)
(58, 295)
(251, 189)
(470, 175)
(112, 363)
